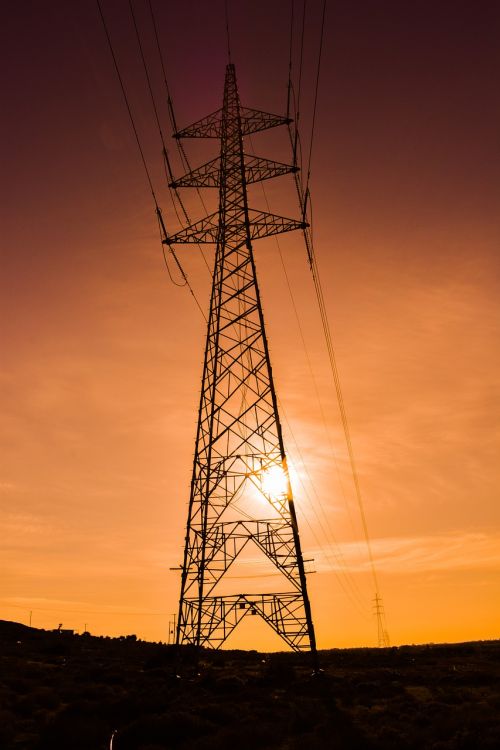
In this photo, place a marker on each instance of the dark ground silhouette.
(68, 691)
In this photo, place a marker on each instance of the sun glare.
(274, 482)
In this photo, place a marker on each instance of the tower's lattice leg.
(239, 443)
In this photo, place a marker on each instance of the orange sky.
(101, 354)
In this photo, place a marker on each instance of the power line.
(306, 352)
(174, 282)
(290, 55)
(146, 72)
(178, 264)
(139, 146)
(307, 233)
(302, 35)
(168, 170)
(349, 580)
(318, 69)
(182, 152)
(127, 104)
(159, 47)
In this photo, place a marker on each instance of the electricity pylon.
(239, 443)
(383, 635)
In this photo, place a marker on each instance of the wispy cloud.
(403, 555)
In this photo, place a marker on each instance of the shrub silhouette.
(71, 692)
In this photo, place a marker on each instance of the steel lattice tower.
(239, 442)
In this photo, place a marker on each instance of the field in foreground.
(63, 691)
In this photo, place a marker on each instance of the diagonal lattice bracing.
(245, 119)
(219, 615)
(225, 541)
(240, 469)
(256, 170)
(261, 224)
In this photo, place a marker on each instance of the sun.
(274, 482)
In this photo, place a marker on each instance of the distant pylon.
(383, 635)
(239, 444)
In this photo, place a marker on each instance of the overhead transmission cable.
(308, 358)
(352, 591)
(143, 159)
(168, 168)
(295, 138)
(165, 155)
(302, 36)
(340, 562)
(316, 89)
(329, 537)
(339, 557)
(127, 104)
(173, 123)
(303, 197)
(290, 94)
(290, 57)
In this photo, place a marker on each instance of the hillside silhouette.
(59, 690)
